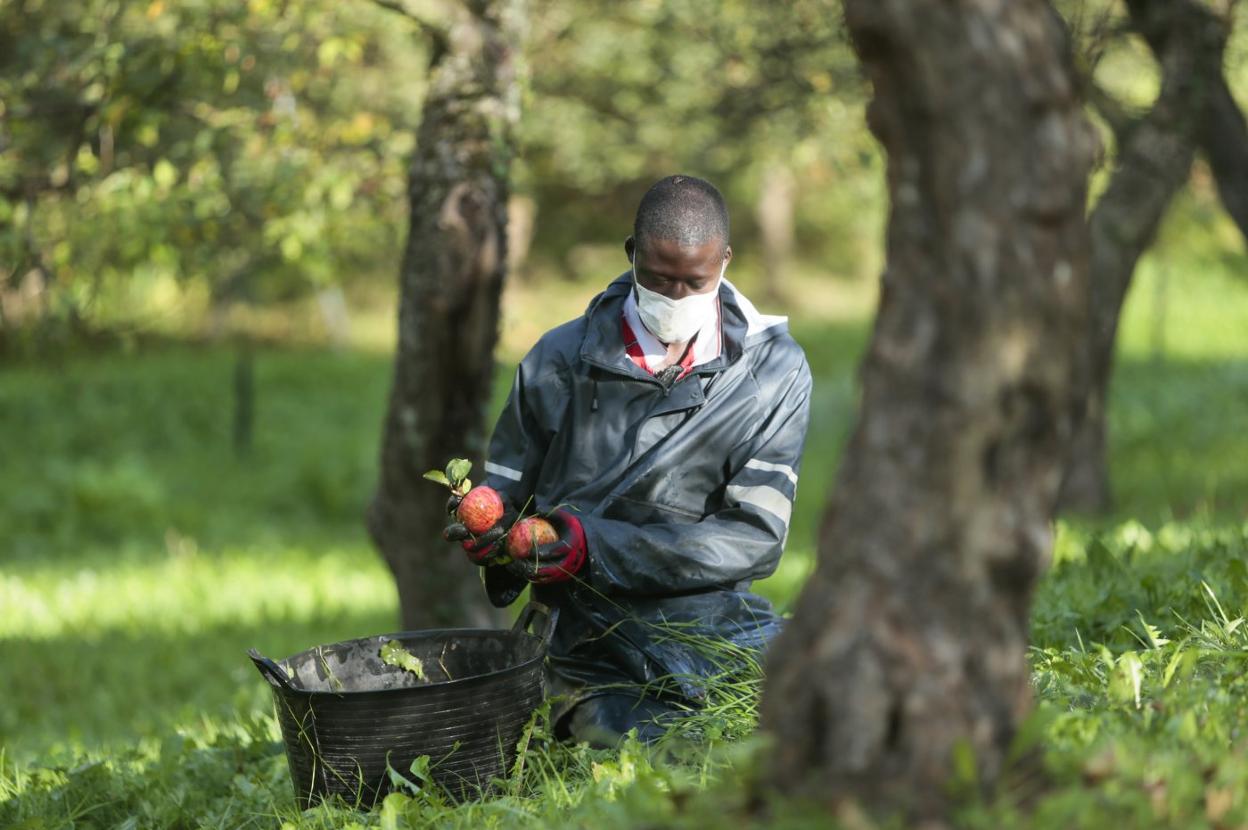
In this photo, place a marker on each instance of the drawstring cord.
(593, 374)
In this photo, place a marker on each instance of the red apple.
(480, 510)
(527, 534)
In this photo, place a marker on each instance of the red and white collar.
(707, 344)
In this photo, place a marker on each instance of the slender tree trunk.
(1223, 131)
(1224, 141)
(332, 303)
(908, 643)
(244, 398)
(774, 214)
(1153, 161)
(521, 224)
(450, 283)
(5, 293)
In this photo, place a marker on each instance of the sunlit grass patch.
(189, 591)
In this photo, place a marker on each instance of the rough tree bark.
(909, 640)
(450, 283)
(1153, 162)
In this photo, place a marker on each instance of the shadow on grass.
(1179, 438)
(80, 691)
(124, 452)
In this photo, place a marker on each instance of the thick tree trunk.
(1153, 161)
(451, 280)
(909, 641)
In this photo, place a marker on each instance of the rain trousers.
(684, 492)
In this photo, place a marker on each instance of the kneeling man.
(661, 434)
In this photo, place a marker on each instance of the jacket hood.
(743, 326)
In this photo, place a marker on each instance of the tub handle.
(532, 611)
(272, 672)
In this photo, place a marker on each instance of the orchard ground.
(141, 558)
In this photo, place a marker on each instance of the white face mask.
(676, 321)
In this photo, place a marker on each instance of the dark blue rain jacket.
(685, 492)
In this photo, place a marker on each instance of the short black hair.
(683, 209)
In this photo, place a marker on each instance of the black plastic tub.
(346, 715)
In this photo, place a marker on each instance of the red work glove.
(486, 549)
(556, 561)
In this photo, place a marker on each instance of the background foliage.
(161, 161)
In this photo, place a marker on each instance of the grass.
(141, 558)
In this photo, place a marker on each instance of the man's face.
(674, 270)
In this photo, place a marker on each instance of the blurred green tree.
(752, 96)
(210, 150)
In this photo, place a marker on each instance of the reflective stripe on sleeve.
(784, 469)
(505, 472)
(764, 498)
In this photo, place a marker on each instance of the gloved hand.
(556, 561)
(483, 550)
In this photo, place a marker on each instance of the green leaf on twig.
(457, 470)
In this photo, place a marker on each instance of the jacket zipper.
(667, 390)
